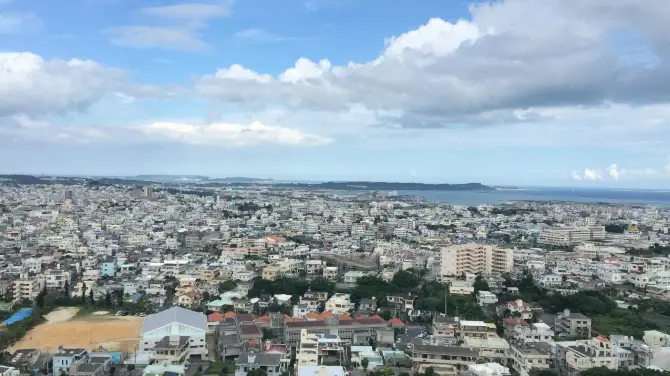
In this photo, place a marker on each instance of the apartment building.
(567, 236)
(307, 353)
(573, 324)
(575, 357)
(26, 287)
(474, 259)
(526, 357)
(537, 332)
(445, 360)
(356, 331)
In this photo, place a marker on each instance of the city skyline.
(514, 92)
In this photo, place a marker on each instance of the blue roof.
(22, 314)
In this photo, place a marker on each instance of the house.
(171, 350)
(402, 302)
(517, 308)
(176, 321)
(486, 297)
(108, 267)
(270, 273)
(367, 305)
(339, 303)
(189, 299)
(269, 362)
(65, 357)
(330, 273)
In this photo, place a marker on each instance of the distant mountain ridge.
(389, 186)
(198, 178)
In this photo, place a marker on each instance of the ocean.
(583, 195)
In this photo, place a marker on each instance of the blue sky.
(525, 92)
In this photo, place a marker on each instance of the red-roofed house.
(520, 306)
(396, 322)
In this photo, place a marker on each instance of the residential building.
(474, 259)
(573, 324)
(270, 363)
(65, 357)
(445, 360)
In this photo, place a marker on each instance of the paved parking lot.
(412, 331)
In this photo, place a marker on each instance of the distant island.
(205, 181)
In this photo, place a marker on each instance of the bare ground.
(114, 333)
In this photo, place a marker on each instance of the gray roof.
(88, 367)
(447, 350)
(165, 343)
(265, 359)
(175, 314)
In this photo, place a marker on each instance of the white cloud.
(613, 171)
(32, 85)
(592, 174)
(263, 36)
(190, 11)
(17, 23)
(489, 69)
(575, 175)
(226, 134)
(182, 38)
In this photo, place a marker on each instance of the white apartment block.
(566, 236)
(339, 303)
(26, 287)
(475, 258)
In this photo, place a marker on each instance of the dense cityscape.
(265, 280)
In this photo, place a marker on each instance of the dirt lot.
(110, 332)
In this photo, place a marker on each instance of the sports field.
(114, 333)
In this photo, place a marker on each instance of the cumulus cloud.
(231, 134)
(485, 69)
(32, 85)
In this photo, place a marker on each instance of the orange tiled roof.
(396, 321)
(288, 318)
(603, 339)
(265, 318)
(230, 315)
(375, 317)
(327, 314)
(345, 317)
(312, 315)
(216, 316)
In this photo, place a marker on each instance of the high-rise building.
(566, 236)
(148, 192)
(475, 258)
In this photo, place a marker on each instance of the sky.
(516, 92)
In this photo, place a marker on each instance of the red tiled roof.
(230, 314)
(396, 322)
(345, 317)
(602, 339)
(515, 321)
(216, 316)
(265, 318)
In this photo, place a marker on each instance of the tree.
(39, 300)
(90, 296)
(257, 372)
(66, 290)
(480, 284)
(365, 363)
(108, 300)
(83, 292)
(564, 278)
(227, 286)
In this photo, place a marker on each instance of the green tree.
(227, 286)
(257, 372)
(480, 284)
(365, 363)
(83, 292)
(90, 296)
(108, 300)
(39, 300)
